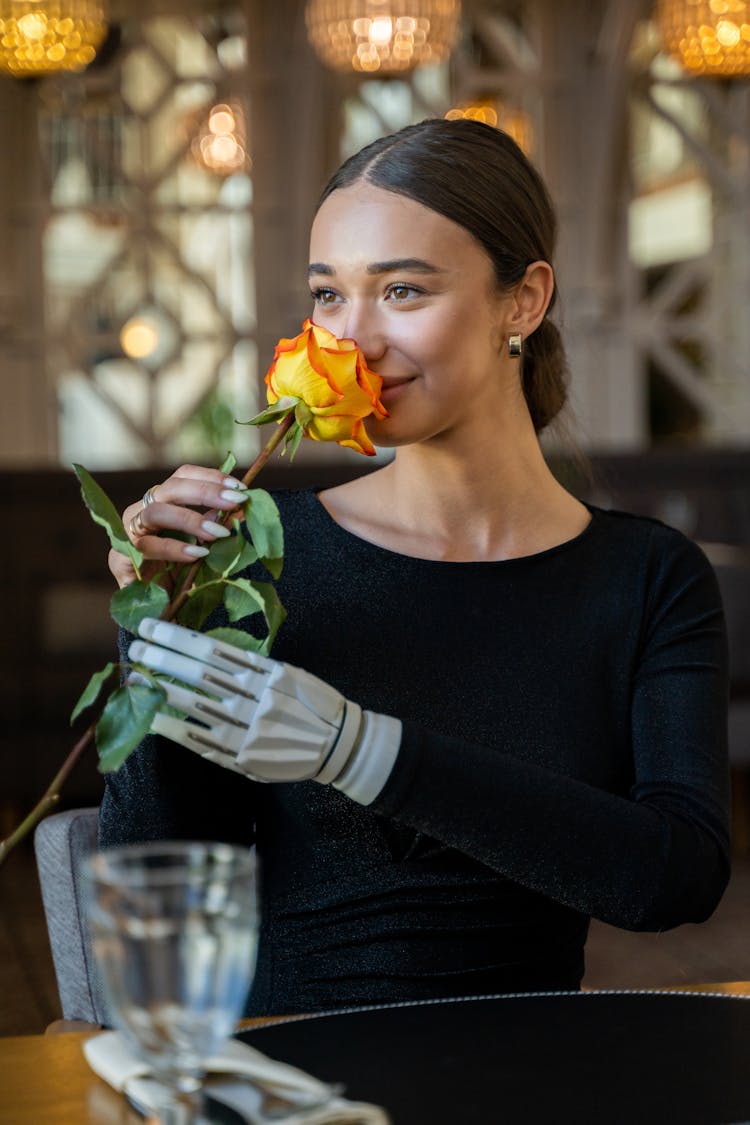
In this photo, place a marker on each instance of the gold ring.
(148, 496)
(137, 528)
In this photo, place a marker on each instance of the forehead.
(363, 223)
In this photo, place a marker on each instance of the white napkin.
(110, 1056)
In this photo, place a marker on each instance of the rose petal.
(372, 384)
(360, 440)
(319, 361)
(292, 374)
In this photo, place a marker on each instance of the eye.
(399, 291)
(324, 296)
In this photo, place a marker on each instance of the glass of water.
(174, 930)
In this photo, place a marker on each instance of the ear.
(531, 298)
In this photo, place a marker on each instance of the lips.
(392, 387)
(395, 380)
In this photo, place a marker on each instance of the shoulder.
(642, 535)
(667, 564)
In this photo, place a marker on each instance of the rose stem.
(174, 607)
(51, 796)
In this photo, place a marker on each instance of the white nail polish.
(195, 552)
(215, 529)
(234, 498)
(232, 482)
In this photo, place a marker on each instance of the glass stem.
(182, 1105)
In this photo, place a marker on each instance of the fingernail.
(232, 482)
(216, 529)
(195, 552)
(234, 498)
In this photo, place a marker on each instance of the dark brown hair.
(478, 177)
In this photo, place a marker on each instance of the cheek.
(433, 341)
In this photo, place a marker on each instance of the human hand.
(262, 718)
(189, 502)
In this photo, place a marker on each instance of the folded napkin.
(239, 1077)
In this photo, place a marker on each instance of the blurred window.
(148, 252)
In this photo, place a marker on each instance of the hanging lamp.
(43, 36)
(707, 36)
(382, 36)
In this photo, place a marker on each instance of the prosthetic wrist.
(267, 720)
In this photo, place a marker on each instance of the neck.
(477, 496)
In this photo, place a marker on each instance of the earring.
(515, 346)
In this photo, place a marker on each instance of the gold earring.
(515, 346)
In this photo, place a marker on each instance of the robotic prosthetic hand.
(267, 720)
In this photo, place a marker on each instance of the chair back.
(61, 842)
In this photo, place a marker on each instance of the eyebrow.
(393, 265)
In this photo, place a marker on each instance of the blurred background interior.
(159, 166)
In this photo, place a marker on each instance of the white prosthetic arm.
(264, 719)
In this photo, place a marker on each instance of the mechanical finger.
(213, 712)
(165, 662)
(200, 646)
(196, 739)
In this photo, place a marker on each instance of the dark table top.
(597, 1057)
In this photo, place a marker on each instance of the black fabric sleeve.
(164, 791)
(647, 859)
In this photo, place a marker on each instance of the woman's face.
(418, 294)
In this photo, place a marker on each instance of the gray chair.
(61, 841)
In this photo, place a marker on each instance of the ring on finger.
(137, 527)
(148, 496)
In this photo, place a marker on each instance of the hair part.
(479, 178)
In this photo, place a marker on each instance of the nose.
(364, 326)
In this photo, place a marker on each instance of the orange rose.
(334, 388)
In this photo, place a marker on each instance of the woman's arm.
(654, 857)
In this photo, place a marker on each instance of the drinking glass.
(174, 931)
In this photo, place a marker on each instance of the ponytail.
(545, 374)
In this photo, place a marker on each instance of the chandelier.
(40, 36)
(383, 36)
(707, 36)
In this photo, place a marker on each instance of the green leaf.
(242, 599)
(91, 692)
(201, 602)
(106, 515)
(273, 611)
(227, 556)
(138, 600)
(125, 721)
(228, 463)
(264, 524)
(237, 637)
(292, 439)
(274, 412)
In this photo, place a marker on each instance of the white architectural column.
(294, 133)
(295, 109)
(27, 413)
(729, 349)
(583, 76)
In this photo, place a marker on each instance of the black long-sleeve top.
(563, 755)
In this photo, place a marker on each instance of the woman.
(517, 716)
